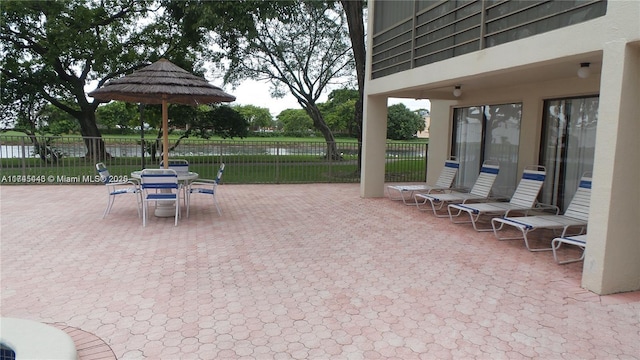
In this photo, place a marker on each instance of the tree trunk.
(321, 125)
(92, 137)
(355, 21)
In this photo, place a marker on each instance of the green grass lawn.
(301, 160)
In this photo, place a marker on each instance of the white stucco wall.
(529, 71)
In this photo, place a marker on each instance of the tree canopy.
(55, 49)
(402, 123)
(300, 47)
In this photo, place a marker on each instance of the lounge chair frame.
(444, 183)
(479, 192)
(522, 201)
(576, 216)
(578, 240)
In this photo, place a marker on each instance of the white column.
(439, 138)
(374, 140)
(611, 264)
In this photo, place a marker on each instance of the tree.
(203, 121)
(58, 47)
(402, 123)
(303, 51)
(117, 114)
(295, 122)
(338, 111)
(258, 118)
(225, 122)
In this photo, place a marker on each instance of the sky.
(257, 93)
(251, 92)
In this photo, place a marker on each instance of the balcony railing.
(64, 160)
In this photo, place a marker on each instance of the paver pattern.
(296, 272)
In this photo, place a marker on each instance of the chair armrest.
(203, 182)
(125, 183)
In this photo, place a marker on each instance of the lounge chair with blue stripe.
(445, 180)
(577, 240)
(479, 192)
(576, 216)
(523, 200)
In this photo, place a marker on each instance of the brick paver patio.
(296, 272)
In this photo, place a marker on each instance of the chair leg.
(144, 213)
(109, 205)
(556, 244)
(177, 210)
(215, 201)
(187, 199)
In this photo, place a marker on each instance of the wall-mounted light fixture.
(457, 91)
(584, 71)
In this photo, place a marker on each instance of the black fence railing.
(65, 160)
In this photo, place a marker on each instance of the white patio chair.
(115, 188)
(577, 240)
(181, 166)
(206, 187)
(523, 200)
(576, 216)
(160, 186)
(445, 180)
(479, 192)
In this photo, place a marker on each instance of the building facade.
(553, 83)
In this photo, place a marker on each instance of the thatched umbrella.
(162, 83)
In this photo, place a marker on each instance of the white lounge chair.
(206, 187)
(479, 192)
(576, 216)
(523, 200)
(445, 180)
(577, 240)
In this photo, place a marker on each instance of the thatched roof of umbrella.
(160, 81)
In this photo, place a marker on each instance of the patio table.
(165, 209)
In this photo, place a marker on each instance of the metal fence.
(65, 160)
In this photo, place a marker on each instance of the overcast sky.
(257, 94)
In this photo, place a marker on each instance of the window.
(567, 147)
(488, 132)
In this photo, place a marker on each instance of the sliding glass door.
(488, 132)
(567, 147)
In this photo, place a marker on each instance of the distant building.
(553, 83)
(427, 123)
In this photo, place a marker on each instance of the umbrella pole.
(141, 108)
(165, 133)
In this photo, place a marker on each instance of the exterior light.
(457, 91)
(584, 71)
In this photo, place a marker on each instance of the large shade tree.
(58, 48)
(301, 47)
